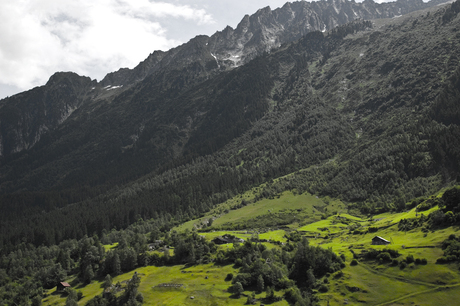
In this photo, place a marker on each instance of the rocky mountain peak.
(23, 119)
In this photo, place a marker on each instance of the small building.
(377, 240)
(155, 245)
(62, 286)
(220, 240)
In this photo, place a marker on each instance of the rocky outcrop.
(25, 117)
(261, 32)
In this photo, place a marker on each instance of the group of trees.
(451, 247)
(298, 269)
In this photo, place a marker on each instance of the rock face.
(26, 116)
(261, 32)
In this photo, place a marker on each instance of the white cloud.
(90, 37)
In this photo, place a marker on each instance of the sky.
(95, 37)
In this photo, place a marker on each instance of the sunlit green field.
(200, 285)
(368, 283)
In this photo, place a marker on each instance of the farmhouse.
(377, 240)
(62, 286)
(221, 240)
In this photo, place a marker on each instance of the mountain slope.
(351, 106)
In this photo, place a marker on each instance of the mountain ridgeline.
(367, 111)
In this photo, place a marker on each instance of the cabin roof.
(380, 238)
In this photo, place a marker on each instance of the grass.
(369, 282)
(278, 235)
(286, 201)
(205, 283)
(108, 247)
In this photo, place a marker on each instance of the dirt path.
(399, 278)
(434, 287)
(417, 293)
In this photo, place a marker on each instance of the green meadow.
(325, 223)
(172, 285)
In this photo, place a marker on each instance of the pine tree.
(238, 289)
(260, 284)
(116, 265)
(107, 281)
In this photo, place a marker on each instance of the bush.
(410, 259)
(354, 262)
(285, 283)
(385, 256)
(323, 288)
(238, 289)
(402, 265)
(372, 229)
(242, 278)
(395, 262)
(229, 277)
(293, 295)
(441, 260)
(424, 261)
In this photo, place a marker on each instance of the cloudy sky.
(94, 37)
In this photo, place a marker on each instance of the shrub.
(385, 256)
(372, 229)
(354, 262)
(424, 261)
(285, 283)
(395, 262)
(410, 259)
(339, 274)
(238, 289)
(229, 277)
(402, 265)
(323, 288)
(441, 260)
(242, 278)
(293, 295)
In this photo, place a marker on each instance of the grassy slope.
(367, 283)
(205, 283)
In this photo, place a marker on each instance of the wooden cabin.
(377, 240)
(62, 286)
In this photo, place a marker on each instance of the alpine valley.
(311, 156)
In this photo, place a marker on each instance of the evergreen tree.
(116, 264)
(107, 281)
(238, 289)
(260, 283)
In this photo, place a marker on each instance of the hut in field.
(377, 240)
(62, 286)
(221, 240)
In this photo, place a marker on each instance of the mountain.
(202, 58)
(366, 111)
